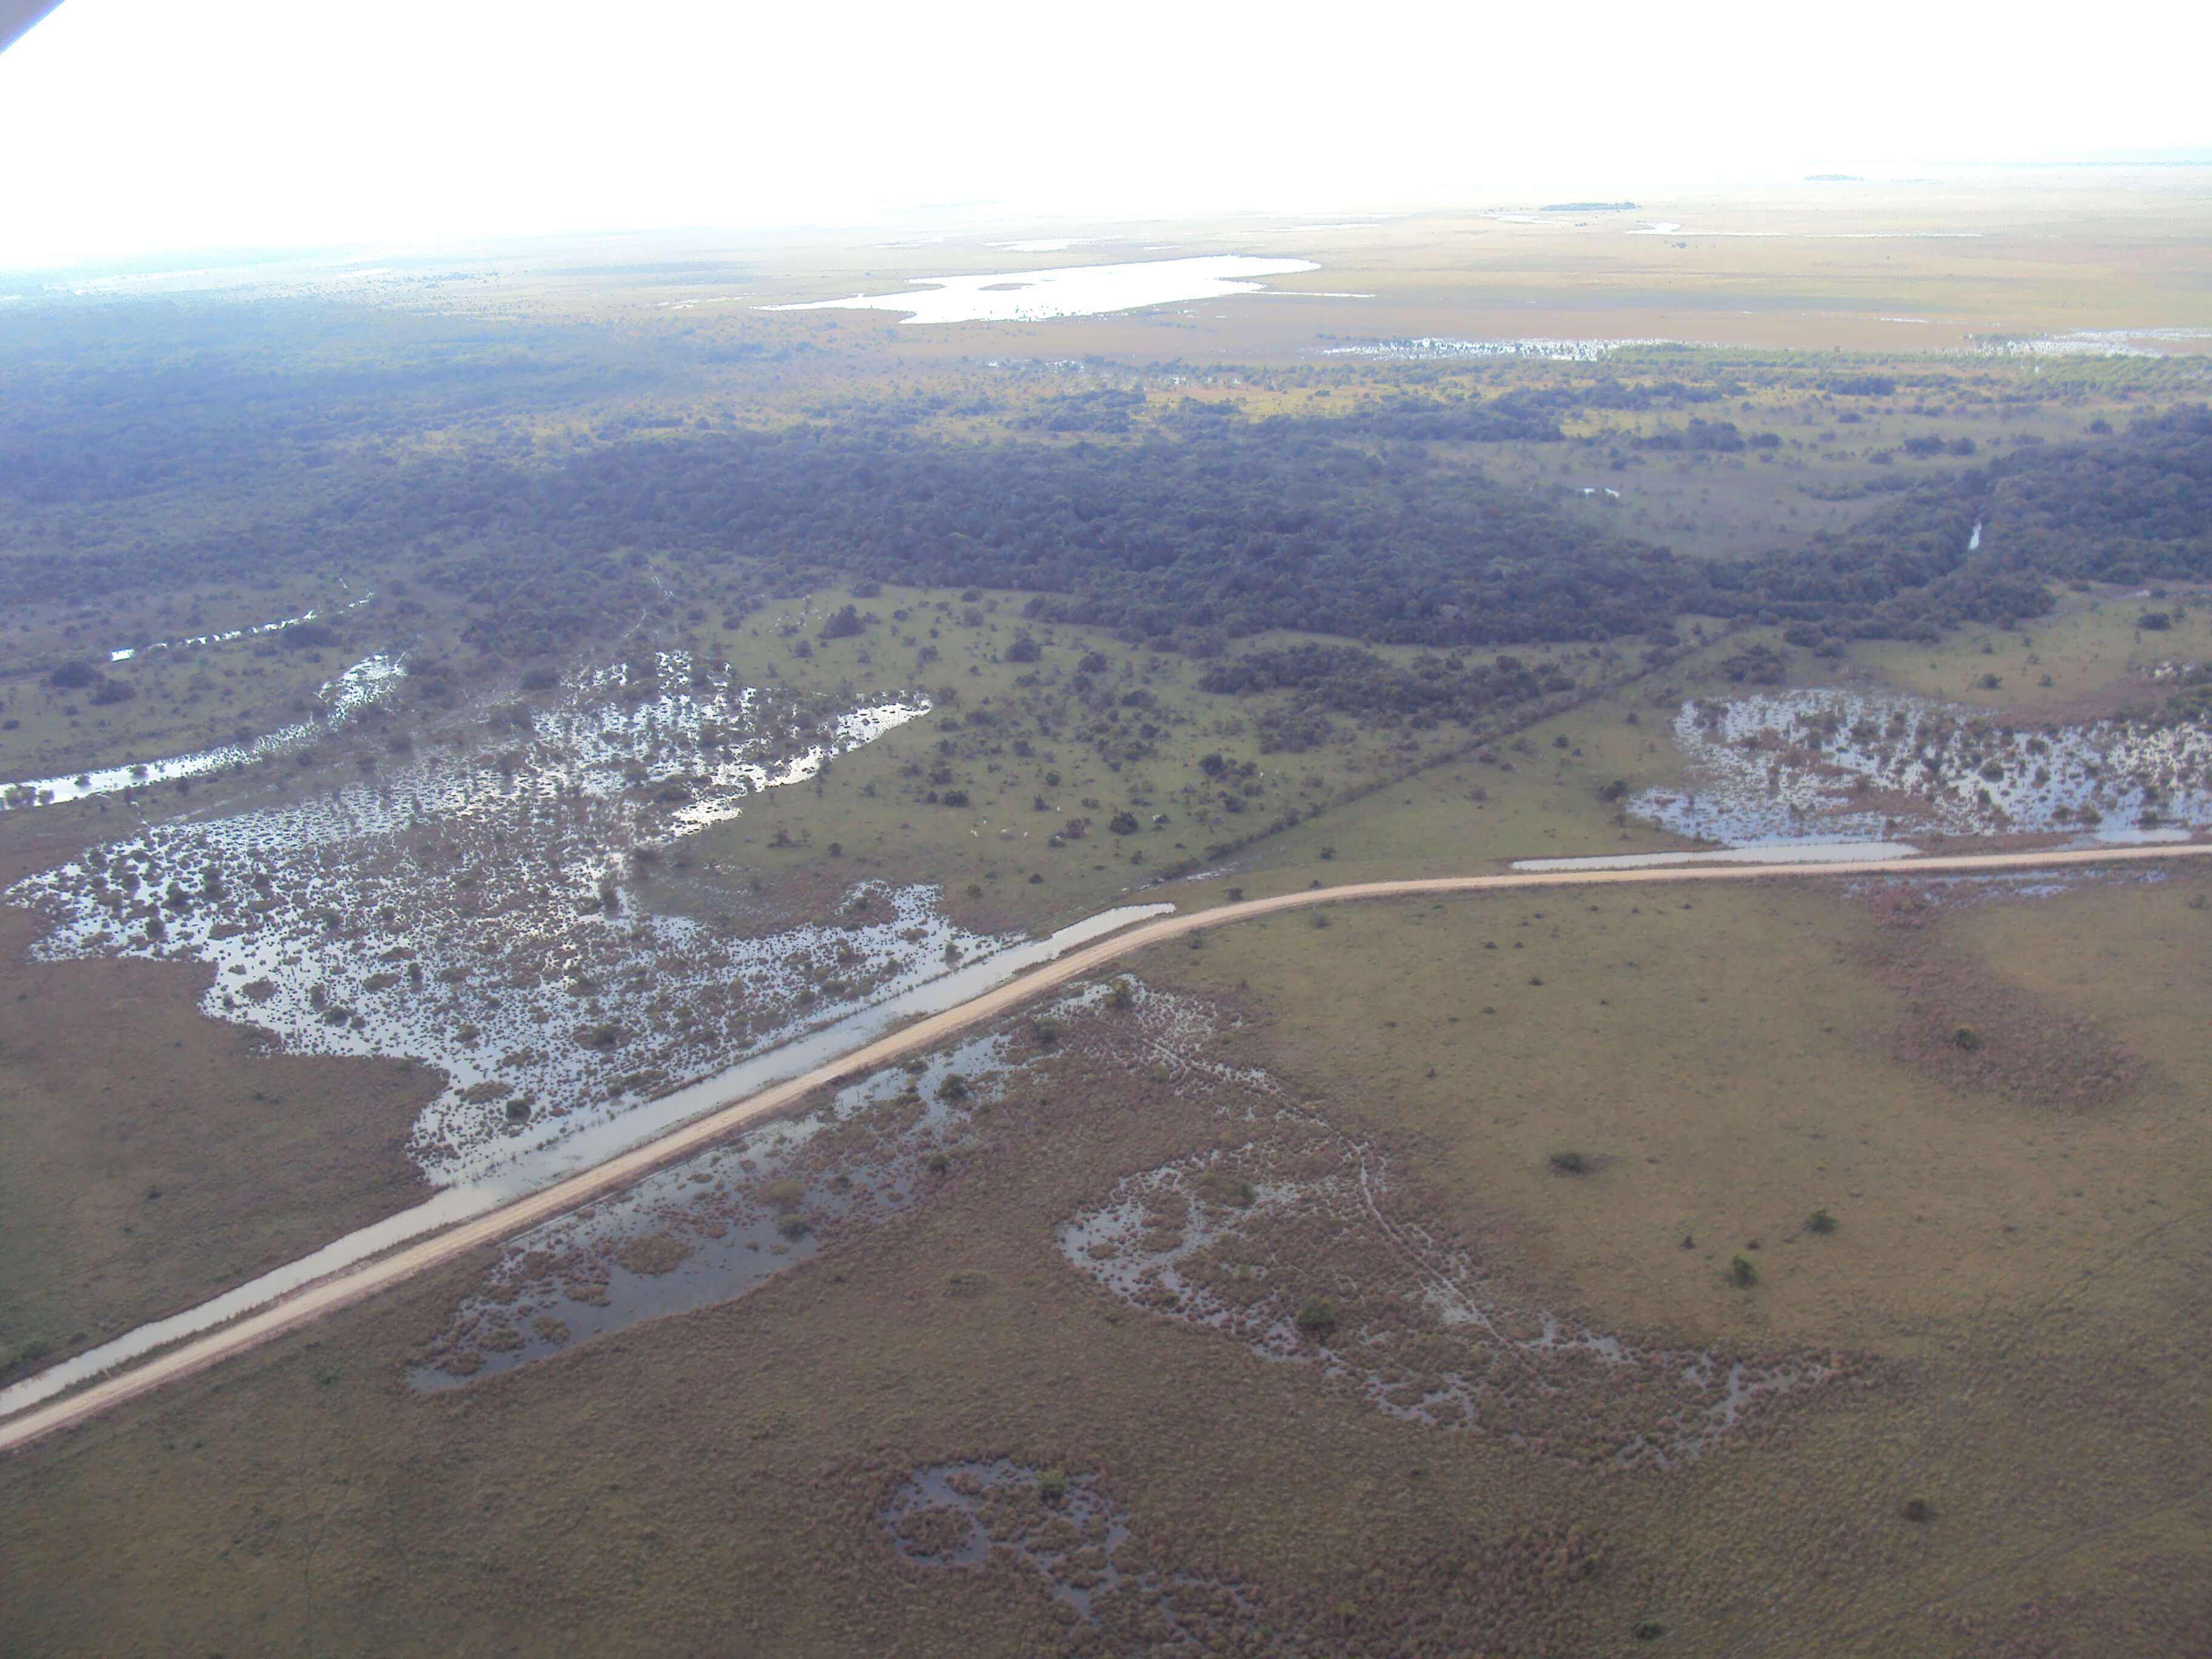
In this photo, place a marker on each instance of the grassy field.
(156, 1157)
(1009, 735)
(1953, 1134)
(2012, 1262)
(2094, 654)
(188, 697)
(1863, 266)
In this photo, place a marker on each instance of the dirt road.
(354, 1284)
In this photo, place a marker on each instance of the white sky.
(131, 126)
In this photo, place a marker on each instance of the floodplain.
(1805, 1265)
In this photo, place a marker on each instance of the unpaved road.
(343, 1289)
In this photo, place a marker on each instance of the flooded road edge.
(39, 1414)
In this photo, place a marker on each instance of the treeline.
(2136, 510)
(1347, 680)
(134, 400)
(1236, 528)
(256, 439)
(1185, 543)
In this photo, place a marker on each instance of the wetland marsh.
(566, 706)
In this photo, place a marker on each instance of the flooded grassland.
(854, 1453)
(1824, 764)
(1296, 1240)
(466, 907)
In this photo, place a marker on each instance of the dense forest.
(2139, 510)
(1179, 524)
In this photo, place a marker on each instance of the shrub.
(785, 1194)
(1918, 1510)
(1966, 1038)
(1052, 1485)
(1820, 1222)
(1123, 995)
(1741, 1274)
(1317, 1316)
(794, 1225)
(1569, 1163)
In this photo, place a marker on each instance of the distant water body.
(1028, 296)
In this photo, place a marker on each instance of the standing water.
(585, 1149)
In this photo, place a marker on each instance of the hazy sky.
(136, 125)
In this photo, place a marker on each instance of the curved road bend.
(355, 1283)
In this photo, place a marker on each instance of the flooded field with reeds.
(473, 903)
(1832, 765)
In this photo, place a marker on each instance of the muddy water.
(1470, 1361)
(1082, 1520)
(1239, 1240)
(712, 1227)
